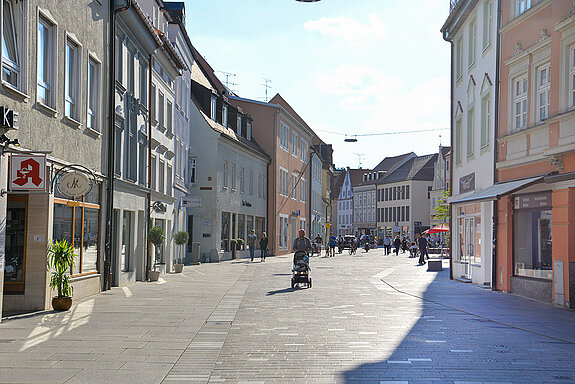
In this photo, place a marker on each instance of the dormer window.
(239, 125)
(213, 106)
(249, 130)
(225, 115)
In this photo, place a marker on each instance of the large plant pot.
(178, 268)
(154, 275)
(62, 303)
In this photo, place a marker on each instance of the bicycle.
(352, 249)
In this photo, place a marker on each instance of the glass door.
(15, 268)
(469, 249)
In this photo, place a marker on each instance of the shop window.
(532, 241)
(225, 235)
(78, 221)
(126, 241)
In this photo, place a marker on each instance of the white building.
(471, 28)
(230, 186)
(317, 206)
(440, 183)
(345, 202)
(364, 221)
(403, 198)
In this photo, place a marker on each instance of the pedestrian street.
(368, 318)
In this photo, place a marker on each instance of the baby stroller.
(301, 269)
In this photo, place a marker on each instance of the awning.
(497, 190)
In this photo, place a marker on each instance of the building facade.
(286, 138)
(403, 196)
(53, 76)
(231, 172)
(536, 152)
(471, 28)
(345, 200)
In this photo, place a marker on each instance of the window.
(284, 182)
(522, 6)
(303, 150)
(283, 232)
(72, 79)
(119, 60)
(403, 192)
(470, 132)
(485, 120)
(251, 183)
(294, 186)
(153, 185)
(458, 141)
(402, 213)
(142, 167)
(169, 180)
(161, 113)
(193, 169)
(407, 191)
(126, 241)
(170, 111)
(239, 124)
(46, 62)
(249, 130)
(161, 176)
(242, 180)
(543, 92)
(143, 95)
(93, 95)
(520, 101)
(132, 150)
(11, 40)
(233, 176)
(284, 138)
(225, 234)
(225, 176)
(487, 23)
(472, 42)
(303, 190)
(459, 58)
(294, 144)
(153, 103)
(407, 213)
(79, 224)
(225, 115)
(118, 155)
(213, 107)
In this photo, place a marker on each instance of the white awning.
(496, 191)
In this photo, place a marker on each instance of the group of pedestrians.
(263, 243)
(421, 246)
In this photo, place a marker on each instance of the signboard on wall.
(27, 173)
(533, 201)
(467, 183)
(191, 202)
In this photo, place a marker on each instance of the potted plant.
(61, 261)
(156, 236)
(180, 238)
(240, 243)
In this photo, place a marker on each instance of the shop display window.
(532, 240)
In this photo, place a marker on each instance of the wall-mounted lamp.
(6, 141)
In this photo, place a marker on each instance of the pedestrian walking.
(252, 238)
(404, 246)
(263, 246)
(397, 244)
(332, 244)
(423, 245)
(387, 244)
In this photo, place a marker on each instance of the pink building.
(287, 139)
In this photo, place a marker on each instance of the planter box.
(154, 275)
(434, 265)
(178, 268)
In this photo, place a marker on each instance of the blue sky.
(350, 67)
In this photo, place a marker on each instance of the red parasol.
(438, 229)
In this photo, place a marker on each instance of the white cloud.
(348, 29)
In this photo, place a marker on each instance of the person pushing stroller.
(301, 248)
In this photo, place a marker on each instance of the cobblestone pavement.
(369, 318)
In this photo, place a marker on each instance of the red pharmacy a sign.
(27, 173)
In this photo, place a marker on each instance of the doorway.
(469, 241)
(15, 247)
(294, 230)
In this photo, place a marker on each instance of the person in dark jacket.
(263, 246)
(423, 245)
(404, 246)
(397, 244)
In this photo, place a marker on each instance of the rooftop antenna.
(359, 156)
(228, 75)
(268, 86)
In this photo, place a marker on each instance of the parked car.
(348, 240)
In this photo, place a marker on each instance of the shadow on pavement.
(285, 290)
(462, 333)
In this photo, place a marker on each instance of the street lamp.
(307, 1)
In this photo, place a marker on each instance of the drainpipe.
(107, 283)
(452, 78)
(495, 130)
(149, 194)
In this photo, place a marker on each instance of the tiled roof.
(389, 163)
(417, 168)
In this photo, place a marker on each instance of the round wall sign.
(74, 184)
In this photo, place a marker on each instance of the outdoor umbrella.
(438, 229)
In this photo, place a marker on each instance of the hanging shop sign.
(74, 184)
(467, 183)
(27, 173)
